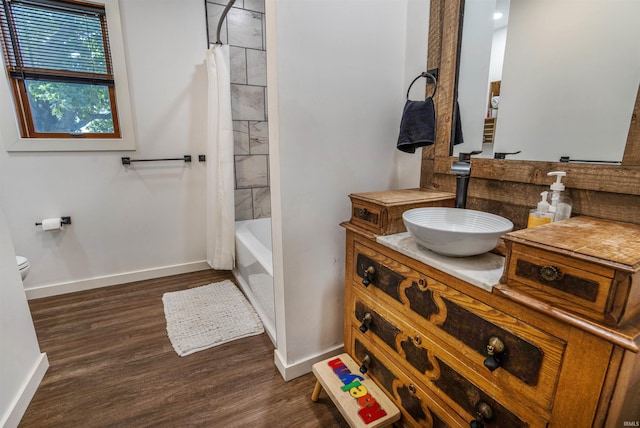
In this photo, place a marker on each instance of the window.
(61, 73)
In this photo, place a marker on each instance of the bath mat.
(204, 317)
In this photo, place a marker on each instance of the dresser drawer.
(584, 265)
(419, 409)
(577, 285)
(463, 326)
(368, 216)
(381, 212)
(444, 383)
(438, 370)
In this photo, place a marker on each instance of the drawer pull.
(494, 348)
(417, 340)
(550, 273)
(368, 276)
(366, 320)
(412, 389)
(483, 412)
(365, 362)
(422, 284)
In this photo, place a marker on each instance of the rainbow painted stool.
(358, 399)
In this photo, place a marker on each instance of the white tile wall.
(256, 67)
(255, 5)
(247, 102)
(245, 28)
(241, 145)
(259, 138)
(251, 171)
(238, 64)
(243, 204)
(261, 202)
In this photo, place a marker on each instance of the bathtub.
(254, 269)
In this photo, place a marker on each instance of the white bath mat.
(203, 317)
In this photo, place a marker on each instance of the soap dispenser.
(560, 203)
(541, 215)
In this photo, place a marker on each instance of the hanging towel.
(418, 125)
(457, 138)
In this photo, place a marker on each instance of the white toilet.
(23, 266)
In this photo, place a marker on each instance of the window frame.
(12, 127)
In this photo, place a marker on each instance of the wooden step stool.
(359, 400)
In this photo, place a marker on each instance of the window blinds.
(56, 41)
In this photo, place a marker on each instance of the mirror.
(566, 77)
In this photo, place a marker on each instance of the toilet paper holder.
(63, 220)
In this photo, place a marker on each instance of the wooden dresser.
(449, 353)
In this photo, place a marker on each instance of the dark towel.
(457, 138)
(418, 125)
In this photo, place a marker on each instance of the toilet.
(23, 266)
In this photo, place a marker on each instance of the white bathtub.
(254, 268)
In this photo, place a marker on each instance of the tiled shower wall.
(244, 31)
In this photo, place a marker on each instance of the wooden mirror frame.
(512, 187)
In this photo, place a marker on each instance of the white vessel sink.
(455, 232)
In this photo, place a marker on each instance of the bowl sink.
(456, 232)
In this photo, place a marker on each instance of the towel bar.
(568, 159)
(128, 161)
(430, 74)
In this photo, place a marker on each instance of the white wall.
(147, 219)
(22, 366)
(498, 44)
(473, 81)
(569, 90)
(406, 166)
(337, 83)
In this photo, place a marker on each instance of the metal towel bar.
(430, 74)
(186, 158)
(568, 159)
(129, 161)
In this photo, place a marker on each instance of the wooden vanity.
(554, 340)
(504, 347)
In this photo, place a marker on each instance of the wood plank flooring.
(112, 365)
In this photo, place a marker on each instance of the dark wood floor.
(112, 365)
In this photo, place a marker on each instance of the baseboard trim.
(48, 290)
(24, 396)
(289, 372)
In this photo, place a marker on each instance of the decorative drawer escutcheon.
(421, 300)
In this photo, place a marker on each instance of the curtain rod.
(222, 17)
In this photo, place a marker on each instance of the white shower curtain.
(220, 183)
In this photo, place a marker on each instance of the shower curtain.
(220, 183)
